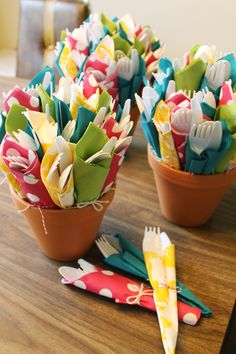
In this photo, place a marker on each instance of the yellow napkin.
(11, 178)
(78, 99)
(45, 129)
(57, 172)
(67, 65)
(161, 120)
(159, 256)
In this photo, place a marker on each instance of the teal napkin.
(38, 79)
(131, 260)
(151, 134)
(84, 117)
(2, 126)
(206, 162)
(62, 114)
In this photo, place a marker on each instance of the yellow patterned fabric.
(11, 178)
(78, 99)
(67, 65)
(57, 172)
(159, 255)
(45, 129)
(168, 151)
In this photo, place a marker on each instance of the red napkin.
(19, 96)
(27, 171)
(123, 290)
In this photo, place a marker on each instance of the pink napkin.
(18, 96)
(25, 166)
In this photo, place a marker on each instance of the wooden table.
(40, 315)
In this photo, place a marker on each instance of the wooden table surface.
(40, 315)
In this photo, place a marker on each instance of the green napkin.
(227, 113)
(104, 100)
(190, 77)
(121, 44)
(85, 116)
(38, 79)
(229, 155)
(193, 51)
(139, 46)
(62, 114)
(111, 26)
(131, 260)
(46, 99)
(2, 126)
(15, 120)
(89, 178)
(206, 162)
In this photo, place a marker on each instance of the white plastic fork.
(216, 134)
(217, 73)
(199, 137)
(105, 247)
(124, 68)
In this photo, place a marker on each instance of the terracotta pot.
(64, 234)
(187, 199)
(134, 114)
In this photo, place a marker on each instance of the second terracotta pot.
(187, 199)
(64, 234)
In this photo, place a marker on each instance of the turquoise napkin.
(2, 126)
(84, 117)
(131, 260)
(62, 114)
(38, 79)
(206, 162)
(151, 134)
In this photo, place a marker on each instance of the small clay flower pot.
(64, 234)
(187, 199)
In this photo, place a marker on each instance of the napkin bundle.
(188, 114)
(61, 148)
(123, 290)
(108, 54)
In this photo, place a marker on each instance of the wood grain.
(40, 315)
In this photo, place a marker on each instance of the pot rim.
(187, 178)
(108, 196)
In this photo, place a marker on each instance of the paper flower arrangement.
(188, 115)
(62, 148)
(109, 54)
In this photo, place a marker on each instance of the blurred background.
(29, 28)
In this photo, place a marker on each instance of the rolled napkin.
(57, 172)
(25, 166)
(159, 258)
(120, 253)
(123, 290)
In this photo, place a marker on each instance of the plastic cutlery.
(171, 88)
(177, 64)
(109, 146)
(98, 156)
(209, 98)
(181, 121)
(134, 61)
(122, 144)
(217, 73)
(126, 109)
(99, 119)
(216, 135)
(126, 129)
(196, 110)
(124, 68)
(199, 137)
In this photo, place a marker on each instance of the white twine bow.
(96, 204)
(135, 299)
